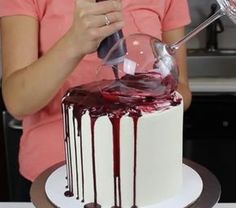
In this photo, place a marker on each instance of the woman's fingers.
(107, 30)
(104, 7)
(93, 21)
(91, 7)
(103, 20)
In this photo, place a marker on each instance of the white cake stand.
(200, 189)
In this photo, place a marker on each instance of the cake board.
(209, 195)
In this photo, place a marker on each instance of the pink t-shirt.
(41, 144)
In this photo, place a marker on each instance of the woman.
(49, 46)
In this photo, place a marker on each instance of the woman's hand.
(29, 83)
(93, 21)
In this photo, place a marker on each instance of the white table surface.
(30, 205)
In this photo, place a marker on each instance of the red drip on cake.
(87, 98)
(115, 120)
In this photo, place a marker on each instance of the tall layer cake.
(122, 154)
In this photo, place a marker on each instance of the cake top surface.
(89, 97)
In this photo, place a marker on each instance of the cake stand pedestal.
(209, 197)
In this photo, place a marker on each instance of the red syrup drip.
(135, 121)
(88, 98)
(80, 112)
(93, 120)
(76, 162)
(92, 205)
(82, 159)
(68, 194)
(116, 158)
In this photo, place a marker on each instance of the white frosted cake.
(111, 162)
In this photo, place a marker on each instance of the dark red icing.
(142, 87)
(69, 194)
(128, 96)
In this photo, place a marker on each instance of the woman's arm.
(183, 86)
(30, 83)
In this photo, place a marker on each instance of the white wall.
(199, 11)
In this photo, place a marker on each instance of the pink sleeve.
(176, 14)
(18, 7)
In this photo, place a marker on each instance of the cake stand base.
(189, 193)
(192, 195)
